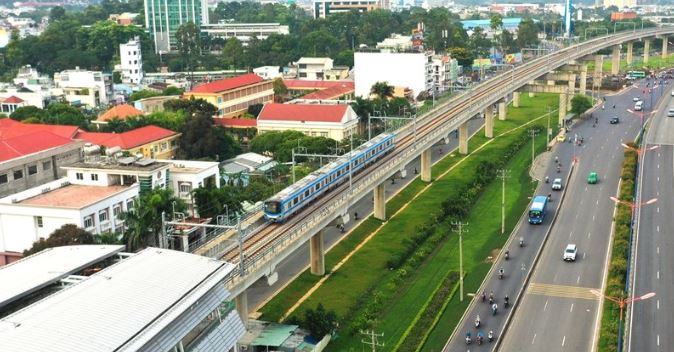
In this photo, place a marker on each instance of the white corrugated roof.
(48, 266)
(117, 309)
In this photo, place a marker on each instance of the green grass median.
(364, 285)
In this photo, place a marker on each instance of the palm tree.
(143, 222)
(382, 90)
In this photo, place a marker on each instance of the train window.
(306, 193)
(318, 185)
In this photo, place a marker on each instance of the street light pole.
(502, 174)
(622, 302)
(459, 228)
(548, 132)
(533, 133)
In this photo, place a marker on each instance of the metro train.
(293, 198)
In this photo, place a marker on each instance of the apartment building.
(233, 96)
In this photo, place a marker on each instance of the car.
(614, 120)
(670, 112)
(638, 106)
(570, 253)
(635, 99)
(557, 184)
(592, 178)
(561, 137)
(673, 93)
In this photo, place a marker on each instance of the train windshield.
(272, 207)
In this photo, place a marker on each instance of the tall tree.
(188, 43)
(527, 33)
(143, 222)
(382, 90)
(66, 235)
(232, 53)
(57, 13)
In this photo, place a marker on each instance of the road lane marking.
(578, 280)
(658, 304)
(658, 274)
(658, 339)
(592, 217)
(597, 201)
(583, 255)
(546, 305)
(658, 178)
(571, 310)
(561, 291)
(658, 228)
(533, 340)
(657, 193)
(589, 234)
(563, 340)
(658, 250)
(658, 166)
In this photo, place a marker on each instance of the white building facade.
(411, 70)
(188, 175)
(244, 31)
(313, 68)
(92, 88)
(131, 61)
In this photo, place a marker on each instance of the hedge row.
(615, 284)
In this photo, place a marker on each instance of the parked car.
(557, 184)
(635, 99)
(614, 120)
(570, 253)
(592, 178)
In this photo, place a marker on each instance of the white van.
(638, 106)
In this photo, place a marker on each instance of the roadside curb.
(516, 303)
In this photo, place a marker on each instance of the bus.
(636, 74)
(537, 210)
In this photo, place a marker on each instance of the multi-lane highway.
(652, 321)
(558, 312)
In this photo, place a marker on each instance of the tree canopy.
(66, 235)
(281, 144)
(143, 222)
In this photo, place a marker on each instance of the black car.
(614, 120)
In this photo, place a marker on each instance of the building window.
(32, 170)
(185, 187)
(94, 177)
(117, 210)
(46, 165)
(129, 204)
(103, 215)
(18, 174)
(79, 176)
(89, 222)
(3, 178)
(38, 221)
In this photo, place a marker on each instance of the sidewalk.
(540, 166)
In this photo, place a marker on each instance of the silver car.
(557, 184)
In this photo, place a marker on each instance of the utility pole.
(459, 228)
(549, 132)
(372, 339)
(533, 133)
(502, 174)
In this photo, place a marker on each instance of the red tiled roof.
(303, 112)
(240, 123)
(13, 100)
(121, 111)
(126, 140)
(310, 85)
(10, 128)
(228, 83)
(333, 92)
(29, 143)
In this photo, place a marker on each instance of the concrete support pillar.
(615, 60)
(572, 90)
(502, 110)
(463, 138)
(664, 47)
(647, 49)
(629, 53)
(532, 94)
(583, 80)
(516, 99)
(489, 122)
(562, 108)
(241, 302)
(317, 253)
(598, 64)
(380, 202)
(426, 165)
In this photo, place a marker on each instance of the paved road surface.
(558, 312)
(299, 260)
(652, 321)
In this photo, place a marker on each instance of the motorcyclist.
(484, 296)
(547, 179)
(355, 215)
(490, 335)
(500, 273)
(480, 337)
(506, 300)
(507, 256)
(491, 297)
(494, 308)
(521, 241)
(468, 338)
(477, 321)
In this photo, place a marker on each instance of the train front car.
(273, 210)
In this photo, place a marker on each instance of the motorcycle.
(500, 274)
(479, 339)
(547, 179)
(468, 340)
(521, 242)
(477, 323)
(506, 301)
(507, 256)
(490, 336)
(494, 309)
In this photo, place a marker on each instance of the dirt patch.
(493, 255)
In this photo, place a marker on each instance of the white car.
(570, 253)
(635, 99)
(557, 184)
(673, 93)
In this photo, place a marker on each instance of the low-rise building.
(149, 141)
(336, 73)
(123, 19)
(324, 8)
(336, 121)
(268, 72)
(121, 112)
(188, 175)
(153, 104)
(233, 96)
(313, 68)
(239, 170)
(83, 87)
(131, 59)
(32, 154)
(244, 31)
(9, 105)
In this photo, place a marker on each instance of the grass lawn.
(366, 272)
